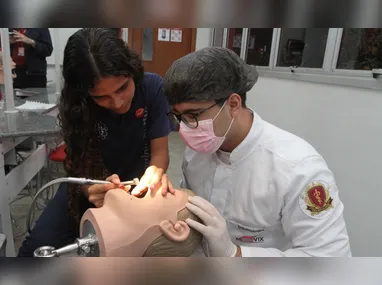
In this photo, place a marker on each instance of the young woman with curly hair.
(114, 122)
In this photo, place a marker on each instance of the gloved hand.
(214, 229)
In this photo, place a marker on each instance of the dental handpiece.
(86, 181)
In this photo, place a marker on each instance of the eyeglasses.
(188, 118)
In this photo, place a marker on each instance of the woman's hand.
(155, 179)
(96, 193)
(166, 186)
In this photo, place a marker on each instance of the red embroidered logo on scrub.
(140, 113)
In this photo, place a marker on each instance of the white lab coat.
(260, 189)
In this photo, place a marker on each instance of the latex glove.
(155, 179)
(214, 229)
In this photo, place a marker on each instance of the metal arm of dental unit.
(87, 246)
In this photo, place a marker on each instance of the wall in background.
(345, 126)
(203, 38)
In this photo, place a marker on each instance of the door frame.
(134, 42)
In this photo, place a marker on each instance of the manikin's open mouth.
(142, 195)
(139, 196)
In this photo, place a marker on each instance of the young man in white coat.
(261, 190)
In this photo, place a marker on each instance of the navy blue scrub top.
(124, 140)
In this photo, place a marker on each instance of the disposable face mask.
(203, 139)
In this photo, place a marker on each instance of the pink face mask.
(203, 139)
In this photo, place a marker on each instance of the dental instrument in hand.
(86, 181)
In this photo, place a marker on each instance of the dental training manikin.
(128, 226)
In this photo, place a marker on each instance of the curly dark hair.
(89, 55)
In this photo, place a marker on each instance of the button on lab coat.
(262, 190)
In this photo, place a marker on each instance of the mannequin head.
(13, 65)
(154, 225)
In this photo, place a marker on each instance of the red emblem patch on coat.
(317, 198)
(140, 113)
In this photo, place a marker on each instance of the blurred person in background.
(29, 49)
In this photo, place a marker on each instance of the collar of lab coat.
(248, 145)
